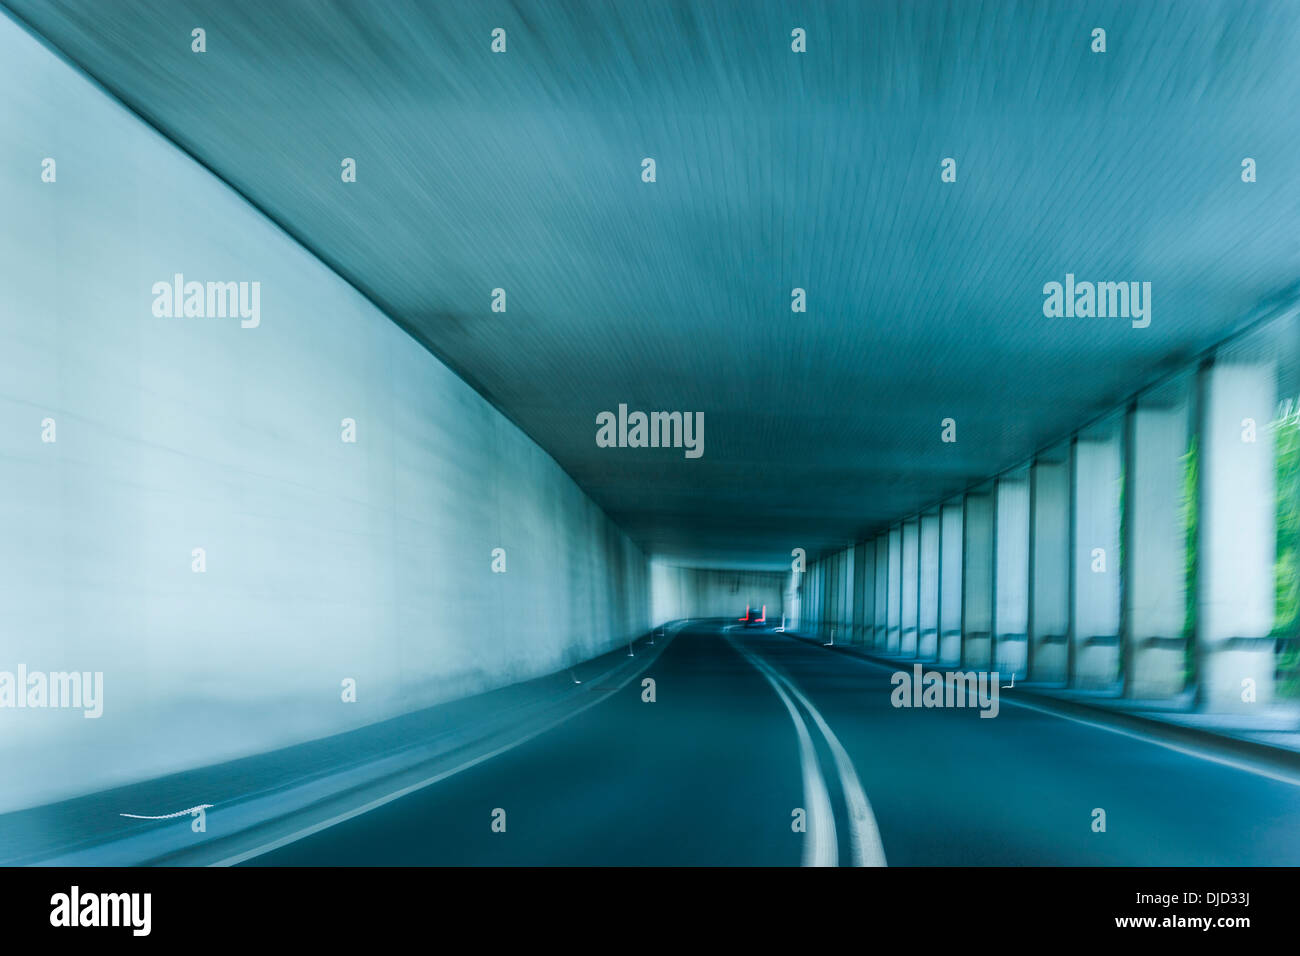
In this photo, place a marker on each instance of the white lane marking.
(1186, 750)
(821, 847)
(420, 785)
(864, 834)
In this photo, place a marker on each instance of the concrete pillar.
(806, 598)
(977, 589)
(1011, 604)
(951, 549)
(819, 590)
(828, 595)
(818, 596)
(827, 592)
(895, 579)
(879, 638)
(830, 590)
(1095, 626)
(850, 592)
(835, 619)
(845, 632)
(792, 611)
(844, 606)
(810, 598)
(863, 591)
(1238, 537)
(927, 644)
(1049, 593)
(1155, 566)
(833, 590)
(911, 589)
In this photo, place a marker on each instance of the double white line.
(822, 848)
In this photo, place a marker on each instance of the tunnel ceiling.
(775, 170)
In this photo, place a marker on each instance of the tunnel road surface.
(760, 749)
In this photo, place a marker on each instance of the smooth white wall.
(325, 560)
(706, 592)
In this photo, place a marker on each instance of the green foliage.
(1286, 621)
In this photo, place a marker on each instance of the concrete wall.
(325, 560)
(702, 592)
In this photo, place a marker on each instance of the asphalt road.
(748, 727)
